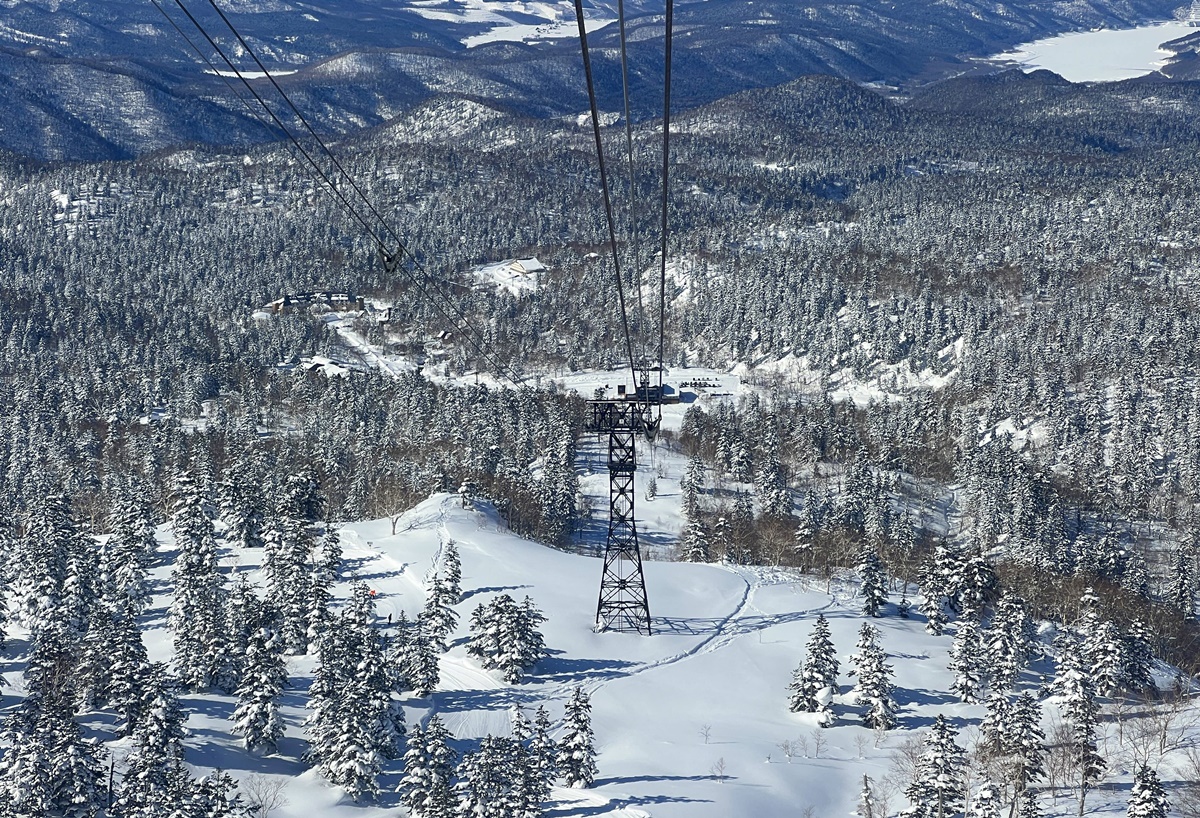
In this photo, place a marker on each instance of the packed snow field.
(693, 721)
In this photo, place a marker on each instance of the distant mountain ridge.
(93, 80)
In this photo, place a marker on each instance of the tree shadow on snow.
(562, 669)
(618, 804)
(495, 589)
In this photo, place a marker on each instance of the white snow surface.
(725, 644)
(1100, 56)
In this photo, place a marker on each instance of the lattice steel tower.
(623, 605)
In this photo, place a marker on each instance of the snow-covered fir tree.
(1148, 799)
(874, 581)
(1009, 640)
(937, 789)
(488, 780)
(356, 723)
(968, 662)
(196, 620)
(505, 636)
(814, 681)
(874, 688)
(427, 788)
(694, 544)
(256, 716)
(418, 660)
(325, 572)
(576, 749)
(1137, 659)
(1103, 653)
(155, 775)
(289, 545)
(987, 801)
(1081, 711)
(49, 768)
(438, 619)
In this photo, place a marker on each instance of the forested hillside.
(963, 327)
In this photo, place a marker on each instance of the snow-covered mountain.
(352, 63)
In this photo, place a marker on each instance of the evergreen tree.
(155, 777)
(504, 636)
(874, 581)
(439, 619)
(1149, 799)
(215, 796)
(967, 662)
(196, 619)
(427, 788)
(815, 680)
(937, 789)
(325, 572)
(1137, 659)
(1009, 642)
(986, 803)
(874, 681)
(256, 717)
(1081, 710)
(487, 780)
(419, 661)
(356, 723)
(576, 749)
(1024, 746)
(1103, 650)
(543, 754)
(694, 543)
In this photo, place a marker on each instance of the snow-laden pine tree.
(439, 619)
(987, 801)
(543, 754)
(418, 662)
(48, 767)
(356, 724)
(289, 544)
(505, 636)
(326, 569)
(874, 688)
(934, 590)
(576, 748)
(1103, 653)
(127, 555)
(694, 544)
(1009, 640)
(968, 662)
(256, 717)
(1137, 659)
(155, 774)
(815, 681)
(242, 504)
(215, 796)
(1081, 710)
(938, 789)
(1149, 799)
(487, 780)
(427, 788)
(874, 581)
(1023, 747)
(196, 617)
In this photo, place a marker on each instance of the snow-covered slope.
(689, 722)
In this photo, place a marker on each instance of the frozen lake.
(1100, 56)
